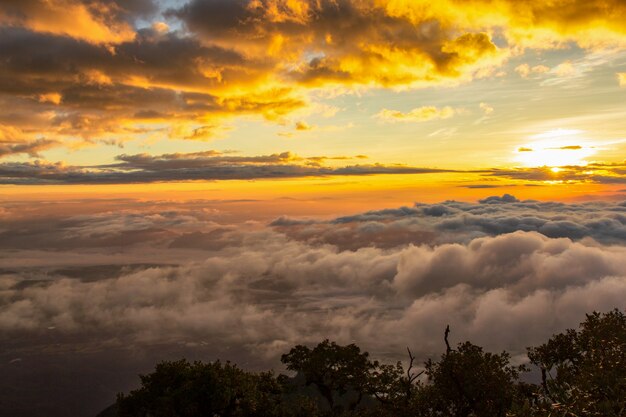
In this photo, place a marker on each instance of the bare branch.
(411, 359)
(411, 377)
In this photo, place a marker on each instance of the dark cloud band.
(207, 166)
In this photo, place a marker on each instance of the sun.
(555, 148)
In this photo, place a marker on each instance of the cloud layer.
(94, 289)
(503, 273)
(458, 222)
(277, 293)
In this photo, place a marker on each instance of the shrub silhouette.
(335, 371)
(584, 371)
(583, 374)
(183, 389)
(469, 382)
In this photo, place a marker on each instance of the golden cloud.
(486, 108)
(301, 125)
(94, 22)
(262, 57)
(540, 24)
(54, 98)
(420, 114)
(525, 70)
(319, 43)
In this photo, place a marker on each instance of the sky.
(151, 95)
(228, 178)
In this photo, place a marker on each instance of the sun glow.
(555, 148)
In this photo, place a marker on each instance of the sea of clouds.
(503, 273)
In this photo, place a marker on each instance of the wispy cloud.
(420, 114)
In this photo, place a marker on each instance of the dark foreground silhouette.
(583, 373)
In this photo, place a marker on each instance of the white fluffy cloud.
(263, 289)
(101, 290)
(453, 221)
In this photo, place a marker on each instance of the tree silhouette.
(470, 382)
(584, 371)
(583, 374)
(183, 389)
(334, 370)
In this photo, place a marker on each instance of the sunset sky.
(364, 170)
(435, 95)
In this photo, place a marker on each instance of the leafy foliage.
(589, 367)
(339, 370)
(469, 382)
(183, 389)
(584, 374)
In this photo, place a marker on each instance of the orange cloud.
(420, 114)
(54, 98)
(94, 22)
(263, 57)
